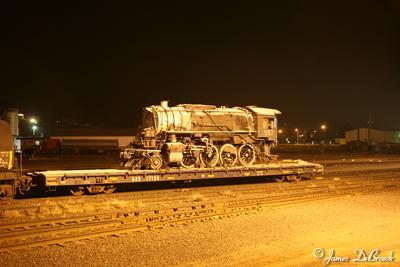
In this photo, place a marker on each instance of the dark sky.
(331, 61)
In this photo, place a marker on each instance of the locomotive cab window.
(265, 123)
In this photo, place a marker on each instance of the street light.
(34, 128)
(323, 128)
(279, 137)
(33, 121)
(297, 135)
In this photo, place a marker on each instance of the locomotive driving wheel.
(228, 155)
(210, 156)
(247, 154)
(188, 161)
(155, 162)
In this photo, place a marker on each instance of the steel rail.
(174, 217)
(211, 192)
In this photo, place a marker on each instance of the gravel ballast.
(285, 236)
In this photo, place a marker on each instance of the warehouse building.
(87, 140)
(372, 136)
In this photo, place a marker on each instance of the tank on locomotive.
(193, 135)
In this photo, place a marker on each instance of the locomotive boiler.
(194, 135)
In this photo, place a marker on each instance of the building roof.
(92, 132)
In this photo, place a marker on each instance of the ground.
(285, 236)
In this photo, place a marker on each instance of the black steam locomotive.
(191, 135)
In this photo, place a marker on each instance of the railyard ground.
(285, 236)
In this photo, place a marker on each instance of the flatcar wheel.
(247, 154)
(155, 162)
(77, 191)
(280, 179)
(228, 155)
(109, 189)
(298, 178)
(294, 178)
(210, 156)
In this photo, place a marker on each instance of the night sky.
(316, 61)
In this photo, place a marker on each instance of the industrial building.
(29, 138)
(76, 140)
(372, 136)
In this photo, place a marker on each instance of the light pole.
(297, 135)
(323, 128)
(280, 131)
(34, 122)
(34, 128)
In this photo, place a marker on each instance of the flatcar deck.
(117, 176)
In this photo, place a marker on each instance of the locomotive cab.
(266, 123)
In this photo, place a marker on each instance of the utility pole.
(370, 123)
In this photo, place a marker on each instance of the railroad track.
(59, 231)
(185, 195)
(380, 167)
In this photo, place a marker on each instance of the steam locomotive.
(194, 135)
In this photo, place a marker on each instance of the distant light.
(323, 127)
(280, 131)
(296, 130)
(20, 115)
(33, 121)
(34, 128)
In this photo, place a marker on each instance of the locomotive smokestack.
(164, 104)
